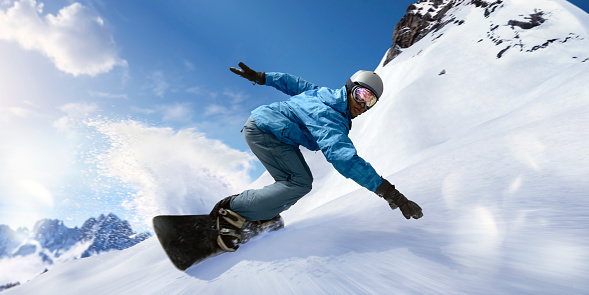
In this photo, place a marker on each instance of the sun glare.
(28, 174)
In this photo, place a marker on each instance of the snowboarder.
(317, 118)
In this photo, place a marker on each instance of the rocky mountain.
(109, 233)
(430, 16)
(422, 18)
(9, 239)
(50, 239)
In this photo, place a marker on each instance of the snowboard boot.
(228, 224)
(253, 228)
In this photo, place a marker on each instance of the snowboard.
(190, 239)
(186, 239)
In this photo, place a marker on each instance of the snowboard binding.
(233, 229)
(229, 226)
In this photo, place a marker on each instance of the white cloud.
(107, 95)
(31, 104)
(77, 109)
(195, 90)
(201, 91)
(179, 112)
(176, 112)
(233, 105)
(145, 111)
(74, 120)
(66, 124)
(27, 111)
(75, 39)
(159, 84)
(216, 109)
(237, 97)
(189, 66)
(20, 112)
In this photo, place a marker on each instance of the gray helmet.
(368, 79)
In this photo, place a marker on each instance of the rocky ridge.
(431, 16)
(50, 238)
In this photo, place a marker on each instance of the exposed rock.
(500, 54)
(109, 233)
(8, 286)
(488, 6)
(534, 20)
(422, 18)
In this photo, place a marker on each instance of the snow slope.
(495, 152)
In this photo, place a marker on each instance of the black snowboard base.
(186, 239)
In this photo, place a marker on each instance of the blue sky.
(162, 63)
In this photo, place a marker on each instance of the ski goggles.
(364, 95)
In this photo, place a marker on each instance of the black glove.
(246, 72)
(396, 199)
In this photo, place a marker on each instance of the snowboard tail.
(186, 239)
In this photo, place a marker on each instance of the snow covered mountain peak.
(53, 235)
(509, 25)
(51, 242)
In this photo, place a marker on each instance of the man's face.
(356, 108)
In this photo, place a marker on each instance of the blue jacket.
(317, 118)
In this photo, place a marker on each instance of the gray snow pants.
(288, 168)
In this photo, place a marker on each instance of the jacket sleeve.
(341, 153)
(287, 83)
